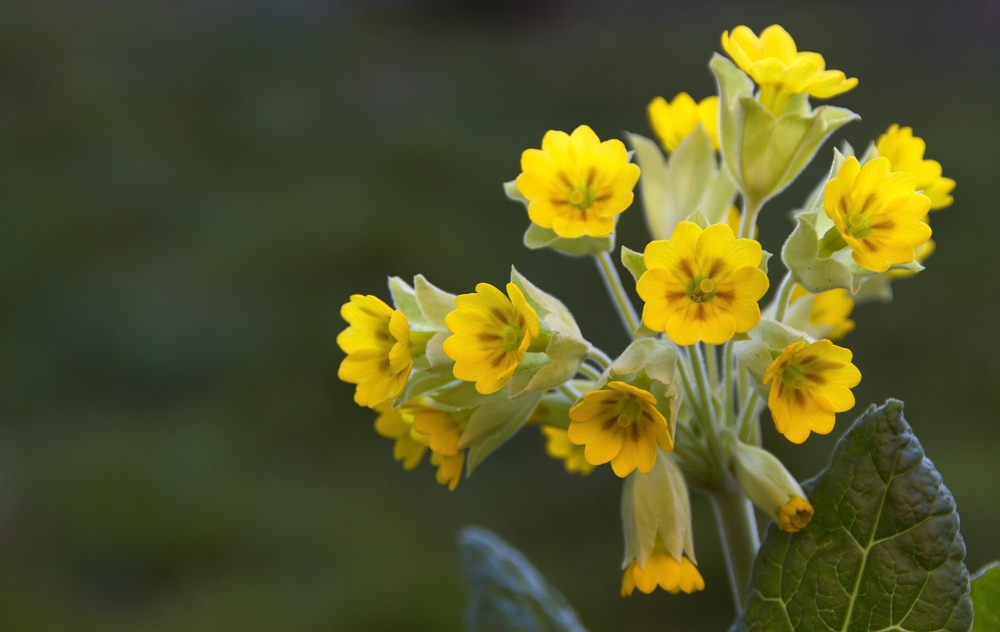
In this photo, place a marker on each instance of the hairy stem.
(748, 219)
(738, 531)
(784, 292)
(599, 358)
(729, 395)
(617, 291)
(590, 372)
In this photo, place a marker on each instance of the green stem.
(747, 419)
(569, 392)
(713, 365)
(748, 220)
(600, 358)
(590, 372)
(617, 291)
(729, 395)
(784, 291)
(705, 394)
(738, 531)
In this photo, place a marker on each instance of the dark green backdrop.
(189, 191)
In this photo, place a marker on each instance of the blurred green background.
(189, 191)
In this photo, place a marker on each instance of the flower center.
(701, 291)
(510, 337)
(582, 197)
(628, 412)
(707, 285)
(624, 420)
(794, 375)
(857, 224)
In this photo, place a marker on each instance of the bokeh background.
(190, 190)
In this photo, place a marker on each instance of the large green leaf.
(882, 552)
(986, 598)
(506, 593)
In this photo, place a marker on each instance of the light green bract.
(537, 237)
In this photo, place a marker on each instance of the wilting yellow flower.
(672, 122)
(810, 383)
(575, 184)
(906, 153)
(702, 285)
(829, 311)
(620, 424)
(780, 69)
(558, 446)
(795, 515)
(397, 424)
(877, 213)
(377, 344)
(443, 431)
(664, 571)
(920, 253)
(491, 334)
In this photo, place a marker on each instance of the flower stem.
(748, 220)
(784, 291)
(617, 291)
(590, 372)
(738, 531)
(729, 394)
(599, 358)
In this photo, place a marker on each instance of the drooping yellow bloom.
(443, 431)
(672, 122)
(830, 311)
(558, 446)
(810, 383)
(780, 69)
(619, 424)
(795, 515)
(702, 285)
(877, 213)
(377, 344)
(575, 184)
(397, 424)
(664, 571)
(491, 334)
(906, 153)
(449, 468)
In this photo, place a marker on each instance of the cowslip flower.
(673, 121)
(575, 184)
(619, 424)
(770, 486)
(397, 424)
(829, 312)
(558, 446)
(780, 69)
(795, 515)
(443, 431)
(702, 285)
(490, 335)
(662, 570)
(810, 383)
(377, 344)
(906, 153)
(877, 213)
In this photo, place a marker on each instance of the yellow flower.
(702, 285)
(810, 383)
(664, 571)
(672, 122)
(558, 446)
(575, 184)
(620, 424)
(780, 69)
(920, 253)
(829, 311)
(906, 153)
(491, 334)
(397, 424)
(377, 344)
(794, 515)
(443, 432)
(449, 469)
(877, 213)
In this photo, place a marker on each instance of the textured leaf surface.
(986, 599)
(883, 551)
(506, 593)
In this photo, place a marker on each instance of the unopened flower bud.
(770, 486)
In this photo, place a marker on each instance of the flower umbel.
(377, 344)
(662, 570)
(491, 334)
(780, 69)
(620, 424)
(558, 446)
(702, 285)
(810, 383)
(673, 121)
(906, 153)
(575, 184)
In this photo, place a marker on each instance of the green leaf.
(986, 598)
(883, 551)
(505, 592)
(537, 237)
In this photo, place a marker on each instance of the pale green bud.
(656, 505)
(771, 487)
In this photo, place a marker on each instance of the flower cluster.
(681, 405)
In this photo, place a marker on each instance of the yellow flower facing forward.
(906, 153)
(702, 285)
(672, 122)
(558, 446)
(877, 213)
(780, 69)
(795, 515)
(664, 571)
(490, 335)
(443, 431)
(828, 313)
(575, 184)
(377, 344)
(397, 424)
(810, 383)
(619, 424)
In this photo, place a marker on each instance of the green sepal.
(986, 598)
(656, 505)
(405, 300)
(537, 237)
(426, 383)
(882, 552)
(551, 311)
(434, 303)
(766, 342)
(493, 423)
(434, 351)
(697, 217)
(634, 262)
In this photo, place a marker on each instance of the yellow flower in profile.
(575, 184)
(702, 285)
(795, 515)
(377, 344)
(877, 213)
(558, 446)
(830, 311)
(780, 69)
(672, 122)
(664, 571)
(619, 424)
(906, 153)
(397, 424)
(490, 335)
(443, 432)
(810, 383)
